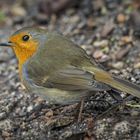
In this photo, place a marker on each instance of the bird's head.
(25, 42)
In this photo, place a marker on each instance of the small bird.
(53, 67)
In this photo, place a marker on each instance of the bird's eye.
(25, 37)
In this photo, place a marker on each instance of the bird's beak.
(8, 44)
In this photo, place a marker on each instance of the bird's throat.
(22, 56)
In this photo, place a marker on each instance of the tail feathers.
(126, 86)
(120, 84)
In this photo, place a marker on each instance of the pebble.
(121, 18)
(2, 115)
(107, 28)
(137, 65)
(97, 54)
(118, 65)
(102, 43)
(17, 10)
(29, 108)
(5, 134)
(133, 79)
(122, 52)
(91, 22)
(104, 58)
(81, 25)
(74, 19)
(98, 5)
(126, 39)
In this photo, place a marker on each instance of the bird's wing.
(70, 79)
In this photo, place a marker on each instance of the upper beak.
(8, 44)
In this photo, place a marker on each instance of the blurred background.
(109, 31)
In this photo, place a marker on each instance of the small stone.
(17, 10)
(121, 18)
(118, 65)
(126, 39)
(5, 133)
(137, 65)
(74, 19)
(114, 71)
(81, 25)
(91, 23)
(122, 52)
(30, 108)
(107, 28)
(97, 54)
(2, 115)
(133, 79)
(98, 5)
(104, 58)
(102, 43)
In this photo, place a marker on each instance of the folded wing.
(72, 79)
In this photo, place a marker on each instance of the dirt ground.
(109, 30)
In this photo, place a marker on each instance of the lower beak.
(8, 44)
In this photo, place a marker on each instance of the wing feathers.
(72, 79)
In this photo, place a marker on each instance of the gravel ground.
(106, 30)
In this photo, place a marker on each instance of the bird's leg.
(80, 106)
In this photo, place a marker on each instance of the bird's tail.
(115, 82)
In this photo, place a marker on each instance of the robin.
(53, 67)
